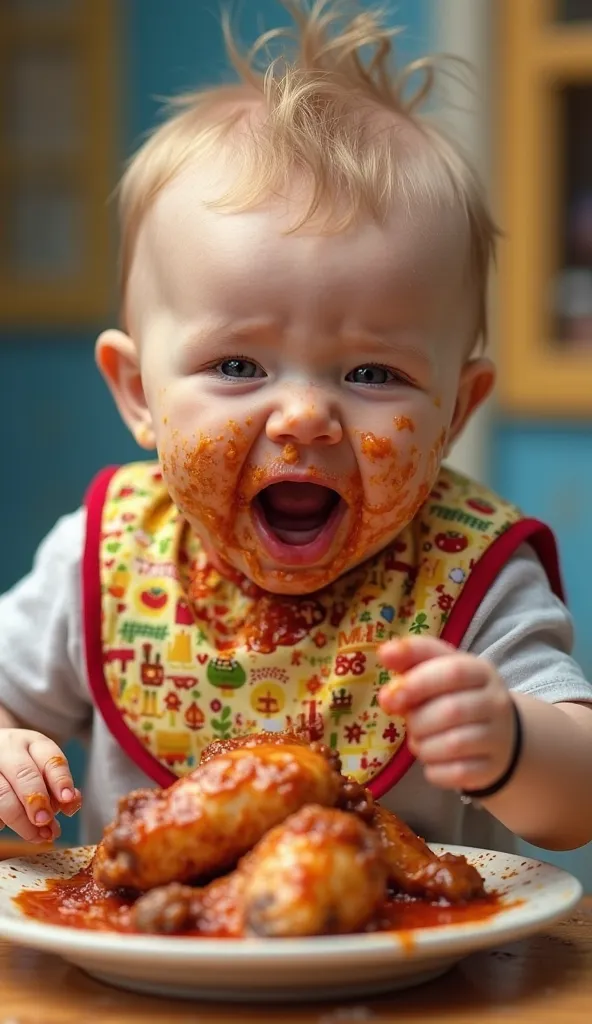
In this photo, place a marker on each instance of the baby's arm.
(549, 800)
(460, 709)
(41, 688)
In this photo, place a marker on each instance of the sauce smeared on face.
(220, 502)
(298, 313)
(204, 494)
(215, 480)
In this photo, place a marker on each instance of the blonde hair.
(335, 112)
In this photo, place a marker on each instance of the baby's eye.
(370, 374)
(241, 369)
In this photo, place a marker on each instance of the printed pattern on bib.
(190, 656)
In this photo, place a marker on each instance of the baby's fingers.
(402, 655)
(57, 775)
(432, 679)
(15, 811)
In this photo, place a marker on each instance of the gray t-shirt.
(521, 627)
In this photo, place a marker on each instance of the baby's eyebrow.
(400, 344)
(225, 332)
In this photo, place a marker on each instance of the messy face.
(301, 386)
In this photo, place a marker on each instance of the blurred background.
(80, 83)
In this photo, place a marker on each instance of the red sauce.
(403, 913)
(376, 447)
(79, 902)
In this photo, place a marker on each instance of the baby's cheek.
(389, 462)
(398, 471)
(202, 473)
(188, 468)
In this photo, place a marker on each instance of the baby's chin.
(284, 580)
(300, 582)
(292, 581)
(253, 571)
(295, 584)
(280, 580)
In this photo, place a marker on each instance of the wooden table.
(545, 980)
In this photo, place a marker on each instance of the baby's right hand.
(35, 782)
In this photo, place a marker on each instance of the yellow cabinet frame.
(86, 296)
(535, 55)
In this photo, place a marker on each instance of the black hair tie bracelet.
(470, 795)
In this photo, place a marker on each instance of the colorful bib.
(184, 656)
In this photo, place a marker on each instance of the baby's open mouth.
(298, 521)
(297, 512)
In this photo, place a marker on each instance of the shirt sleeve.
(527, 633)
(42, 679)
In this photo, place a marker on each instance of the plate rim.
(417, 944)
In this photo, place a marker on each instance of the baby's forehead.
(196, 266)
(184, 223)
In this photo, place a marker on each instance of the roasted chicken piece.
(256, 739)
(321, 872)
(205, 822)
(352, 797)
(416, 870)
(175, 909)
(413, 868)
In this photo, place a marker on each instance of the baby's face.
(302, 387)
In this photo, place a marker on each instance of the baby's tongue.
(293, 508)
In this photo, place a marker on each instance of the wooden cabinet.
(57, 160)
(544, 86)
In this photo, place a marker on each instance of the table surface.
(543, 980)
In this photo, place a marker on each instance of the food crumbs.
(231, 453)
(376, 447)
(290, 454)
(404, 423)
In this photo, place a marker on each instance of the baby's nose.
(305, 423)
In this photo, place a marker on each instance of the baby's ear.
(476, 383)
(117, 358)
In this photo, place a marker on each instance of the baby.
(304, 272)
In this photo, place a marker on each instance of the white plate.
(287, 969)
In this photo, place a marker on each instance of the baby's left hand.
(459, 714)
